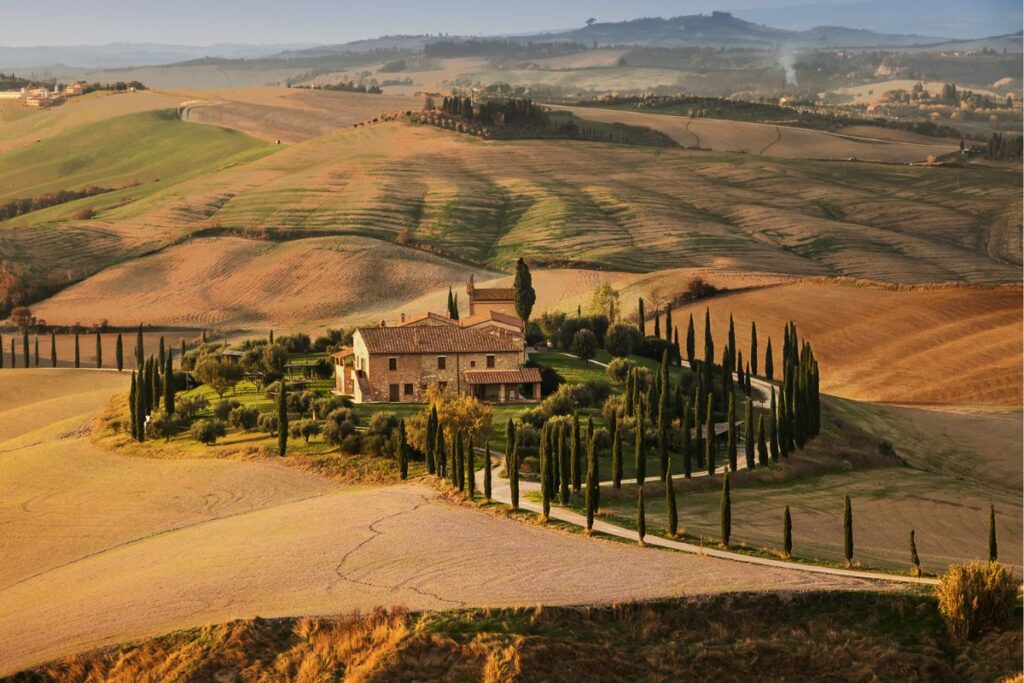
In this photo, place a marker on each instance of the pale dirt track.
(104, 549)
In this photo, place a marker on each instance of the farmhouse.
(398, 363)
(484, 299)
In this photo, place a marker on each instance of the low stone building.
(484, 299)
(397, 364)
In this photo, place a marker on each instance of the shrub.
(244, 418)
(163, 426)
(223, 409)
(309, 429)
(295, 430)
(322, 407)
(382, 424)
(187, 407)
(653, 347)
(529, 437)
(296, 343)
(351, 444)
(267, 422)
(584, 344)
(698, 288)
(344, 415)
(622, 340)
(207, 431)
(550, 380)
(619, 368)
(977, 597)
(373, 444)
(301, 403)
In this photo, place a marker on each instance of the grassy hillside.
(134, 148)
(812, 636)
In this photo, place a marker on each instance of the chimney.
(403, 318)
(469, 286)
(383, 323)
(415, 336)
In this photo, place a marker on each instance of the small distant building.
(75, 89)
(41, 97)
(482, 299)
(231, 355)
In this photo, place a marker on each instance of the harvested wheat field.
(287, 114)
(104, 548)
(722, 135)
(922, 345)
(236, 282)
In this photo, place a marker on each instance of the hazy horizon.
(61, 23)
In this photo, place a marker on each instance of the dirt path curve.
(106, 548)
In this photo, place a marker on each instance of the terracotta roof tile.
(493, 294)
(523, 376)
(434, 339)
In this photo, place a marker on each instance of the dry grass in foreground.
(810, 636)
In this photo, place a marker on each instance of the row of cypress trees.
(30, 359)
(451, 458)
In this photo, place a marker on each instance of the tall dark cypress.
(591, 487)
(24, 348)
(403, 447)
(847, 531)
(670, 505)
(132, 420)
(470, 471)
(687, 442)
(510, 440)
(748, 434)
(431, 439)
(657, 324)
(731, 434)
(787, 533)
(690, 343)
(99, 351)
(78, 357)
(169, 388)
(753, 347)
(639, 456)
(162, 355)
(762, 444)
(617, 459)
(641, 317)
(915, 561)
(14, 357)
(698, 428)
(140, 354)
(181, 353)
(709, 437)
(141, 392)
(663, 419)
(513, 474)
(487, 471)
(732, 343)
(769, 365)
(993, 547)
(282, 419)
(726, 511)
(53, 351)
(641, 515)
(709, 341)
(564, 482)
(37, 350)
(440, 454)
(119, 352)
(668, 323)
(545, 472)
(455, 466)
(575, 448)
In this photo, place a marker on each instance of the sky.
(205, 22)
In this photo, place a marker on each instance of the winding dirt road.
(96, 548)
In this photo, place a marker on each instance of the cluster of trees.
(117, 86)
(513, 111)
(151, 400)
(18, 207)
(445, 434)
(1004, 147)
(371, 87)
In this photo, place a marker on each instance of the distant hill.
(119, 55)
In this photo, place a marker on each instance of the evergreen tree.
(641, 515)
(470, 471)
(762, 444)
(162, 355)
(748, 434)
(753, 347)
(169, 388)
(522, 286)
(513, 474)
(657, 324)
(774, 429)
(769, 366)
(24, 347)
(616, 453)
(132, 420)
(455, 307)
(687, 444)
(709, 342)
(510, 439)
(451, 305)
(787, 534)
(668, 323)
(663, 418)
(441, 454)
(1, 351)
(732, 343)
(545, 467)
(431, 439)
(564, 481)
(140, 356)
(282, 419)
(204, 336)
(53, 352)
(99, 351)
(181, 354)
(455, 465)
(670, 505)
(141, 391)
(119, 353)
(641, 317)
(731, 438)
(487, 471)
(37, 350)
(847, 531)
(690, 348)
(639, 456)
(675, 343)
(698, 429)
(78, 357)
(915, 561)
(575, 448)
(402, 447)
(726, 511)
(993, 547)
(14, 358)
(591, 483)
(709, 437)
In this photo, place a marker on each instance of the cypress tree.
(119, 353)
(1, 351)
(617, 459)
(746, 380)
(670, 506)
(993, 547)
(639, 456)
(282, 419)
(597, 464)
(709, 342)
(451, 305)
(641, 317)
(24, 347)
(698, 429)
(522, 286)
(204, 336)
(169, 388)
(675, 343)
(455, 465)
(591, 488)
(709, 440)
(487, 470)
(915, 561)
(99, 351)
(657, 324)
(668, 323)
(132, 421)
(37, 350)
(732, 343)
(774, 429)
(748, 435)
(53, 352)
(726, 511)
(769, 366)
(78, 359)
(510, 438)
(687, 444)
(545, 478)
(787, 534)
(641, 515)
(513, 474)
(470, 471)
(848, 531)
(154, 383)
(440, 454)
(753, 347)
(14, 358)
(141, 391)
(403, 447)
(430, 439)
(564, 484)
(690, 349)
(762, 445)
(140, 355)
(575, 447)
(162, 355)
(181, 355)
(731, 438)
(663, 419)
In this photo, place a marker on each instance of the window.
(472, 363)
(392, 364)
(442, 362)
(407, 390)
(490, 361)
